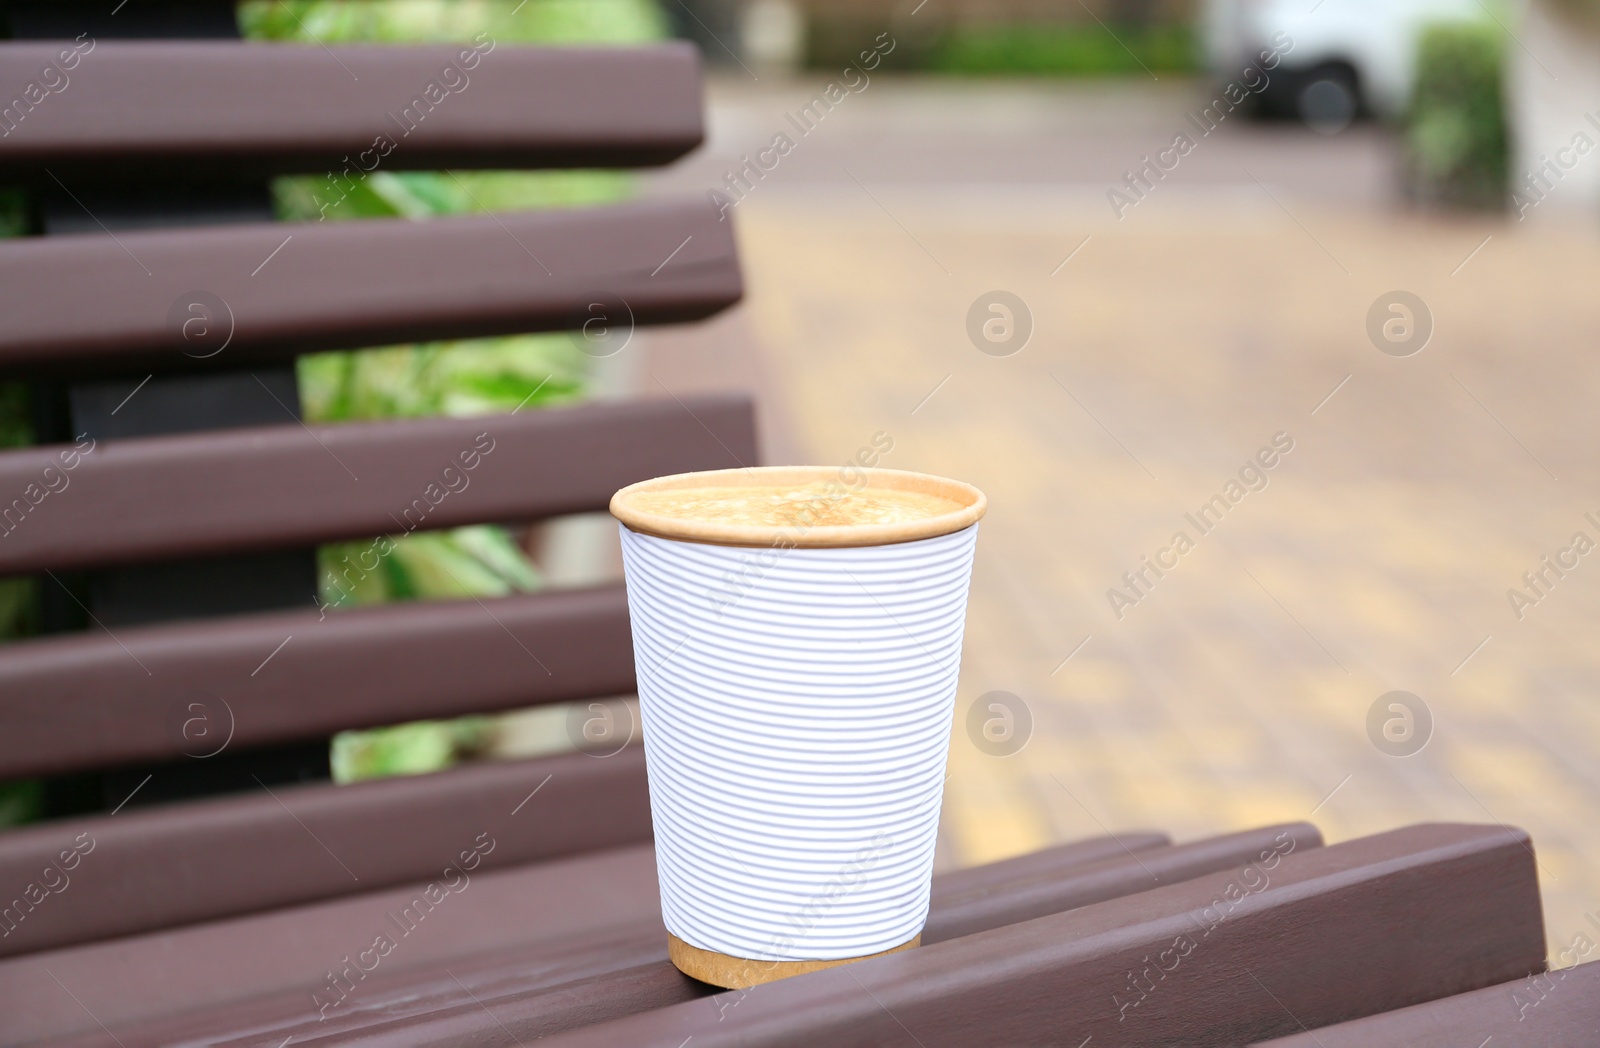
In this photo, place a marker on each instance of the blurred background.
(1107, 260)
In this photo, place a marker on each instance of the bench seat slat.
(86, 300)
(199, 494)
(512, 1007)
(1335, 933)
(289, 950)
(1035, 893)
(182, 691)
(556, 981)
(1554, 1009)
(265, 108)
(1000, 898)
(173, 865)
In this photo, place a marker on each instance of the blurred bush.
(17, 604)
(439, 378)
(1005, 48)
(409, 749)
(1456, 138)
(1066, 49)
(472, 377)
(411, 21)
(13, 219)
(19, 801)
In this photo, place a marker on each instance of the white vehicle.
(1346, 57)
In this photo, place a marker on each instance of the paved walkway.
(1165, 354)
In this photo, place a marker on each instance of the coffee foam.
(793, 506)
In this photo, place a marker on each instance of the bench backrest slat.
(82, 300)
(194, 494)
(258, 856)
(173, 691)
(260, 108)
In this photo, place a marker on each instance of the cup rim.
(973, 505)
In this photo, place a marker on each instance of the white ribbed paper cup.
(797, 693)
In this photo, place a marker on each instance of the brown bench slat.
(284, 486)
(83, 701)
(243, 855)
(290, 950)
(265, 108)
(1336, 933)
(1556, 1009)
(1035, 893)
(87, 300)
(172, 865)
(555, 984)
(512, 1011)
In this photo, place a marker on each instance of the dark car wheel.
(1326, 97)
(1329, 98)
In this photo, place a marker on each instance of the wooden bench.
(498, 903)
(1555, 1008)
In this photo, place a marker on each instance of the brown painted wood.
(1334, 933)
(557, 982)
(177, 691)
(1032, 893)
(980, 899)
(86, 300)
(289, 951)
(258, 108)
(284, 486)
(167, 866)
(1555, 1009)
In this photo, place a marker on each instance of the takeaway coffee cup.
(797, 634)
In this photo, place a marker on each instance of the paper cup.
(797, 689)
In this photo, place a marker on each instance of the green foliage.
(458, 378)
(18, 603)
(469, 377)
(14, 218)
(350, 193)
(409, 749)
(1056, 48)
(20, 801)
(1066, 49)
(441, 378)
(478, 561)
(551, 22)
(19, 606)
(1456, 130)
(16, 425)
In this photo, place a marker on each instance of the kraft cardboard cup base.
(740, 973)
(797, 690)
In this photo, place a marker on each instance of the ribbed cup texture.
(797, 707)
